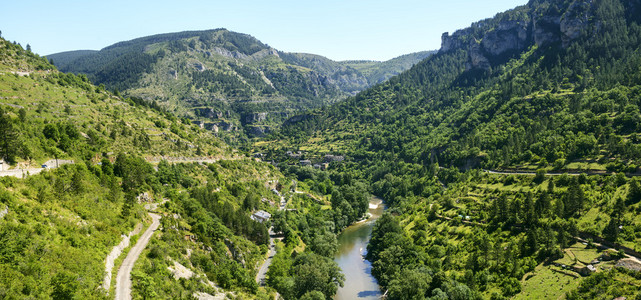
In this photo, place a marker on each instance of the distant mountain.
(229, 81)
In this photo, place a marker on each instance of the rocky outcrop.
(222, 125)
(455, 41)
(226, 53)
(489, 41)
(173, 74)
(574, 21)
(199, 66)
(258, 131)
(255, 118)
(236, 254)
(264, 53)
(4, 212)
(208, 113)
(508, 36)
(477, 59)
(296, 119)
(546, 30)
(629, 263)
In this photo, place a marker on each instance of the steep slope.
(64, 228)
(355, 76)
(502, 91)
(227, 80)
(545, 88)
(51, 114)
(380, 72)
(57, 227)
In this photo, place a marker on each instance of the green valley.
(508, 162)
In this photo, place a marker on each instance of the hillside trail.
(123, 279)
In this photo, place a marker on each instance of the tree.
(64, 286)
(28, 48)
(8, 138)
(560, 208)
(22, 114)
(384, 225)
(133, 170)
(325, 244)
(313, 295)
(316, 273)
(410, 284)
(542, 205)
(528, 210)
(634, 193)
(144, 285)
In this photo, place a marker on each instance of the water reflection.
(352, 247)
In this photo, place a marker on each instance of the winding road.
(261, 276)
(123, 280)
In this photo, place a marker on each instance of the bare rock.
(629, 263)
(575, 20)
(230, 54)
(180, 271)
(509, 35)
(477, 59)
(547, 30)
(255, 117)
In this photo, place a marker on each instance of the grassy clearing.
(546, 283)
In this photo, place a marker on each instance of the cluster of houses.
(322, 165)
(329, 158)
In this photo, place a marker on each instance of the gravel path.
(123, 280)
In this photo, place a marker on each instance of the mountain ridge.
(231, 73)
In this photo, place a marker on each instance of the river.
(352, 247)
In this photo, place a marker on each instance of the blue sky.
(340, 30)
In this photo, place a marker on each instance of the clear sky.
(340, 30)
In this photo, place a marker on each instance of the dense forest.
(548, 88)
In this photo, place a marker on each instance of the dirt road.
(123, 280)
(262, 271)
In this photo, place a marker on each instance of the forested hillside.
(546, 88)
(228, 81)
(122, 159)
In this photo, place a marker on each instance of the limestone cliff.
(537, 24)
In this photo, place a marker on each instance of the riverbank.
(352, 247)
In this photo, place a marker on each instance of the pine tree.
(528, 210)
(634, 193)
(560, 208)
(8, 138)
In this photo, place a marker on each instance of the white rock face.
(114, 254)
(180, 271)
